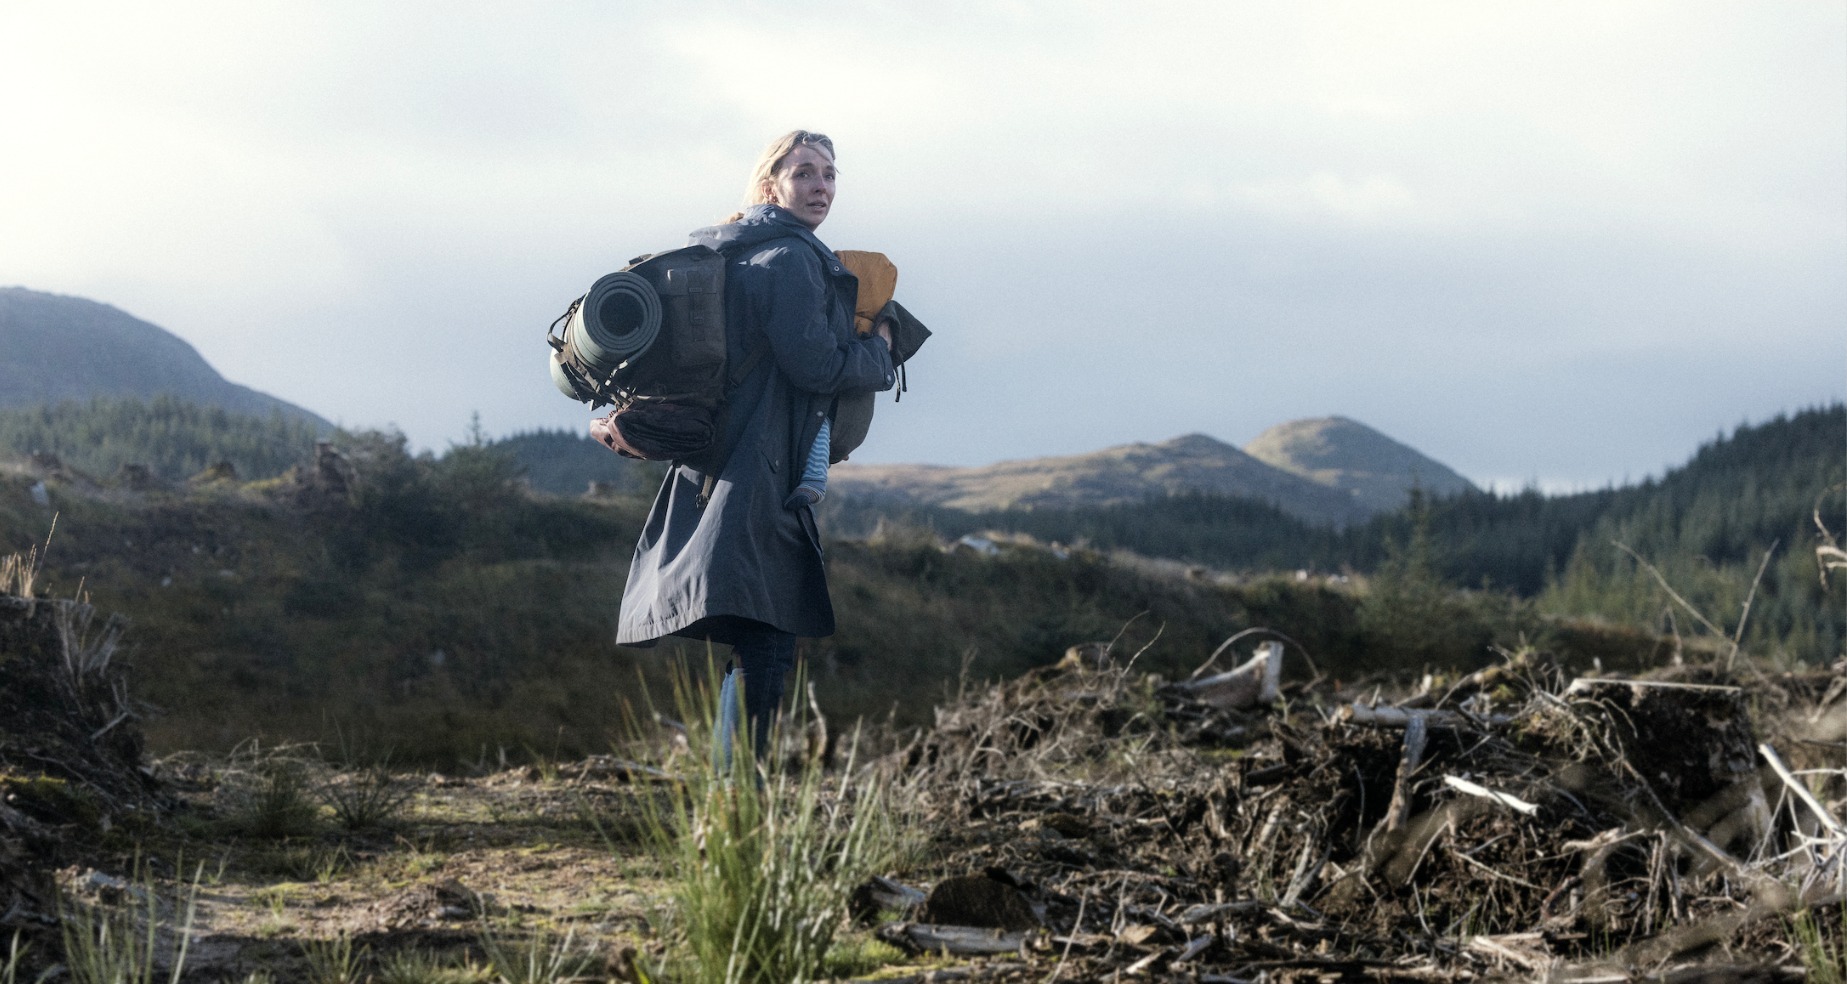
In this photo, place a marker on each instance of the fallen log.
(1596, 686)
(1388, 716)
(945, 975)
(1257, 681)
(1526, 951)
(624, 770)
(955, 941)
(1204, 911)
(881, 894)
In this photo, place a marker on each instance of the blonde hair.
(771, 160)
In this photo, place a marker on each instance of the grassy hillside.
(444, 611)
(440, 607)
(173, 439)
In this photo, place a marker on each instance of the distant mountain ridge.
(1125, 474)
(1348, 455)
(1331, 470)
(55, 348)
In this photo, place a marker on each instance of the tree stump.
(1694, 746)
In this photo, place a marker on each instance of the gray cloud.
(1559, 241)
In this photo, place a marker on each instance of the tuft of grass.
(417, 860)
(1823, 954)
(544, 767)
(9, 971)
(280, 804)
(310, 860)
(278, 923)
(19, 572)
(362, 793)
(540, 958)
(424, 967)
(367, 799)
(104, 945)
(762, 863)
(333, 961)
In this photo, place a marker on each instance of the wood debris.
(1258, 681)
(1511, 824)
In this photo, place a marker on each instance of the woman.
(743, 567)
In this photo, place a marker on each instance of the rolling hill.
(1126, 474)
(58, 349)
(1344, 454)
(1332, 471)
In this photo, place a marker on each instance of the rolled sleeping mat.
(617, 321)
(565, 383)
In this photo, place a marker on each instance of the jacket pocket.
(805, 513)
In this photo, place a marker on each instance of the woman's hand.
(884, 331)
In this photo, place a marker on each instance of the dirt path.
(522, 855)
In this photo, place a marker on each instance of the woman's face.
(804, 185)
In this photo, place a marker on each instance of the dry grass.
(138, 939)
(19, 571)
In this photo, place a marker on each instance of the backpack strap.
(742, 370)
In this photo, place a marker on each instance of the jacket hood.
(759, 224)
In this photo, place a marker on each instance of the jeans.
(761, 658)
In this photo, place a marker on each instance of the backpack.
(649, 341)
(878, 281)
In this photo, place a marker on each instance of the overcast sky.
(1556, 241)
